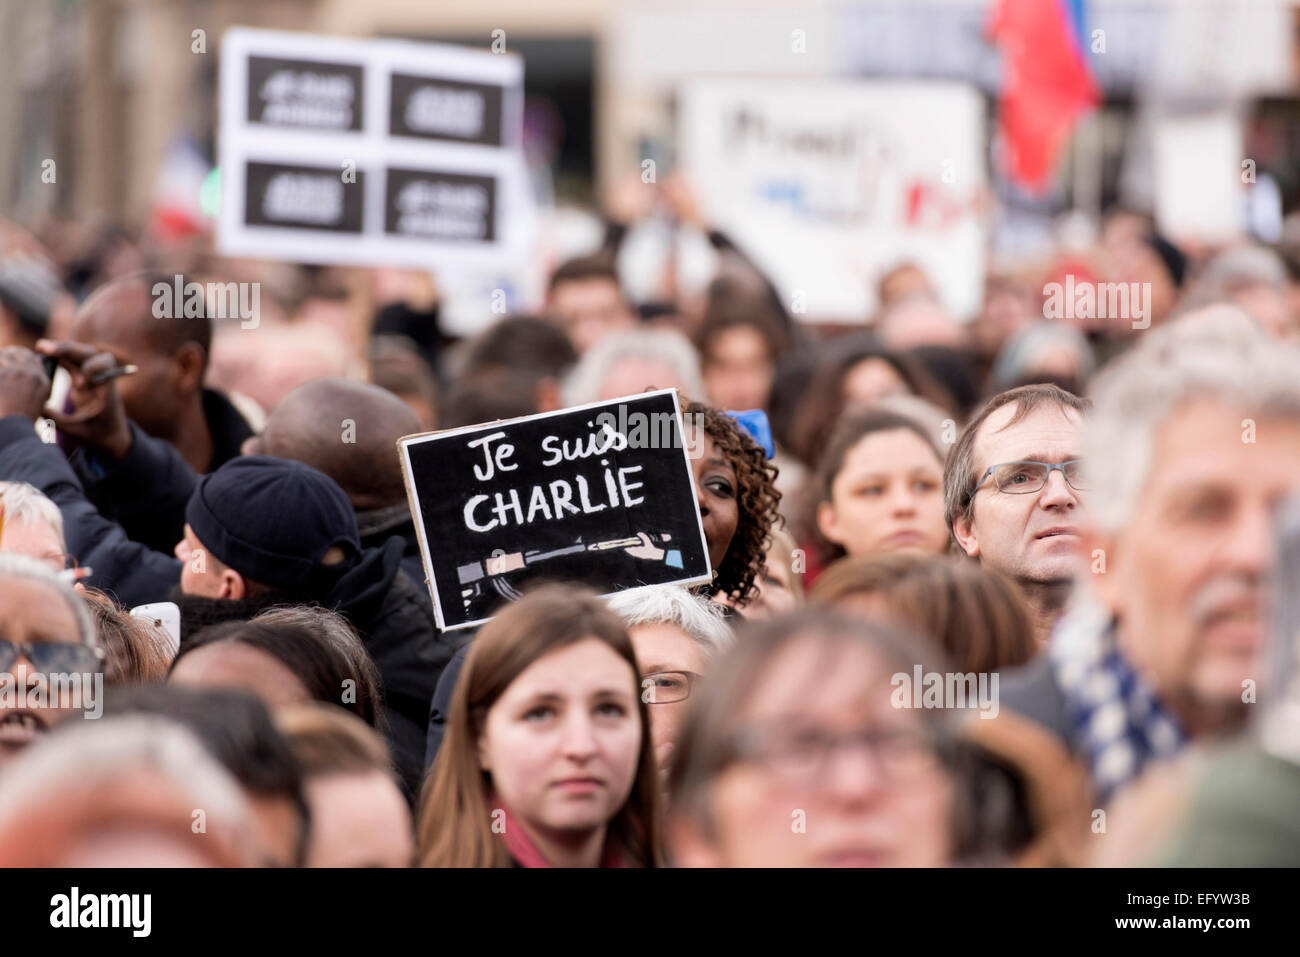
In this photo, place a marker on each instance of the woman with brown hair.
(878, 487)
(857, 370)
(975, 616)
(137, 651)
(547, 759)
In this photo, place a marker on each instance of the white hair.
(582, 384)
(29, 505)
(1241, 266)
(673, 605)
(1217, 352)
(87, 757)
(13, 565)
(1024, 348)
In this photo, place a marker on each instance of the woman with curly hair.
(735, 487)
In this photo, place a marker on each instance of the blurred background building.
(123, 92)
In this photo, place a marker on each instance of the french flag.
(1047, 83)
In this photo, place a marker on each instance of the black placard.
(305, 94)
(302, 197)
(508, 503)
(449, 207)
(443, 109)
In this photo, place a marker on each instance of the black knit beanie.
(272, 520)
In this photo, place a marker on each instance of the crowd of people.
(1005, 591)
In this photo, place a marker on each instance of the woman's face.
(872, 379)
(887, 497)
(563, 741)
(738, 369)
(879, 797)
(773, 592)
(717, 491)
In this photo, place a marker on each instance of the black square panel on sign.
(302, 197)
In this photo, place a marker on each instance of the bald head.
(349, 431)
(122, 313)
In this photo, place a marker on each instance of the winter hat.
(273, 520)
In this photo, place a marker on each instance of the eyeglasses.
(665, 687)
(1021, 478)
(51, 657)
(804, 755)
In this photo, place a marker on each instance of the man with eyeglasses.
(49, 654)
(676, 635)
(1014, 494)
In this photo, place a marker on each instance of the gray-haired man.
(1193, 441)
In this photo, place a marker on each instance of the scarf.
(376, 520)
(1116, 722)
(198, 612)
(525, 852)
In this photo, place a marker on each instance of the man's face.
(1035, 536)
(201, 573)
(32, 613)
(590, 309)
(119, 322)
(662, 648)
(1186, 577)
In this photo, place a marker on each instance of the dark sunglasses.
(52, 657)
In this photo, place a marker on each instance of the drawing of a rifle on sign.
(496, 569)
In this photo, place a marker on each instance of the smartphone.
(60, 383)
(166, 617)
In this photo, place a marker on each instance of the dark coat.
(227, 426)
(378, 525)
(129, 570)
(1031, 690)
(442, 702)
(146, 492)
(395, 619)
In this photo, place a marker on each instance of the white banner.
(829, 184)
(379, 152)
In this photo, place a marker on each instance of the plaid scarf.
(1116, 722)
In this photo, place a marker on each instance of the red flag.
(1047, 84)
